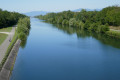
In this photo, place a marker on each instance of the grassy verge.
(2, 37)
(8, 29)
(9, 49)
(114, 34)
(115, 28)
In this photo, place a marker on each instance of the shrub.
(64, 22)
(102, 28)
(22, 36)
(23, 28)
(72, 22)
(81, 25)
(87, 25)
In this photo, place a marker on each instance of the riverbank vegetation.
(8, 19)
(21, 32)
(113, 34)
(23, 28)
(12, 18)
(97, 21)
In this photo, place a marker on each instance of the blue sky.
(54, 5)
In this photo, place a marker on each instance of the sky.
(24, 6)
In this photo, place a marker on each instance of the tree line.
(9, 18)
(23, 28)
(98, 21)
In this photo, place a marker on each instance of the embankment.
(5, 72)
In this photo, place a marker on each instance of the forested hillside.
(9, 18)
(98, 21)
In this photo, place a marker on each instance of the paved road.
(5, 44)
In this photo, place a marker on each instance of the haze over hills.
(78, 10)
(36, 13)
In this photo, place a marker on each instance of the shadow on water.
(23, 43)
(83, 34)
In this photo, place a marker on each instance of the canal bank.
(6, 69)
(62, 53)
(20, 36)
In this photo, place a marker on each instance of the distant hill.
(36, 13)
(78, 10)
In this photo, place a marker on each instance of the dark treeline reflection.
(83, 34)
(23, 43)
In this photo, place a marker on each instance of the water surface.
(56, 52)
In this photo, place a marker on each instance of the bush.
(72, 22)
(81, 25)
(87, 25)
(65, 22)
(23, 28)
(22, 36)
(60, 20)
(102, 28)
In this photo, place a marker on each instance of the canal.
(56, 52)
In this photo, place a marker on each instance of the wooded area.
(9, 18)
(98, 21)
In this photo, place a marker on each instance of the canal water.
(56, 52)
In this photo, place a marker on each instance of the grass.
(114, 34)
(2, 37)
(8, 29)
(9, 49)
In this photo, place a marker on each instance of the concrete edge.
(5, 72)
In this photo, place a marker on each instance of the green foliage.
(72, 22)
(23, 28)
(22, 36)
(113, 34)
(81, 25)
(65, 22)
(111, 15)
(60, 20)
(102, 28)
(94, 26)
(86, 25)
(9, 18)
(97, 21)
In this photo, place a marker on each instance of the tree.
(72, 22)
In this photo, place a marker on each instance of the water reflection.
(83, 34)
(23, 43)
